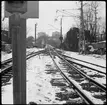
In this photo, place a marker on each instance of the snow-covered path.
(39, 87)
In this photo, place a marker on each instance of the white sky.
(47, 13)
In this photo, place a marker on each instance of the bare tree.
(95, 11)
(92, 21)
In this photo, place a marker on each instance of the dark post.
(61, 38)
(19, 59)
(35, 34)
(95, 23)
(81, 36)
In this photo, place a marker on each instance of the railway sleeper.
(75, 86)
(80, 71)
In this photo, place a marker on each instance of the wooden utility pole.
(95, 19)
(61, 38)
(35, 33)
(82, 36)
(19, 59)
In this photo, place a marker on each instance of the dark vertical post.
(82, 36)
(61, 31)
(95, 22)
(35, 34)
(19, 59)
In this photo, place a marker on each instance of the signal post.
(18, 11)
(18, 31)
(19, 60)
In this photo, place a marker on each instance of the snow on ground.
(101, 80)
(93, 58)
(89, 65)
(33, 49)
(7, 93)
(5, 56)
(39, 88)
(96, 101)
(96, 59)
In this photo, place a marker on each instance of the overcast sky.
(47, 13)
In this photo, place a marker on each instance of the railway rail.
(92, 66)
(82, 63)
(87, 88)
(85, 61)
(6, 69)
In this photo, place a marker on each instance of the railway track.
(90, 90)
(92, 66)
(6, 69)
(95, 71)
(87, 67)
